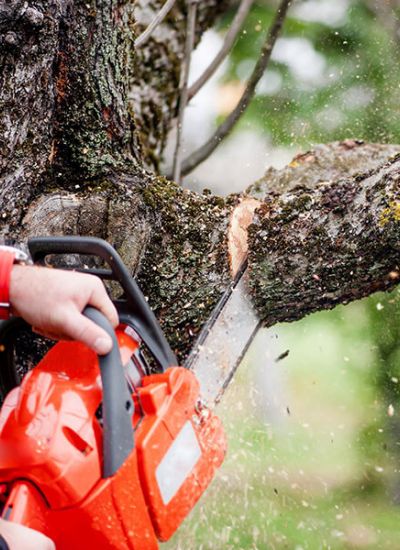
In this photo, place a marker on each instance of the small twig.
(229, 40)
(142, 38)
(225, 128)
(183, 99)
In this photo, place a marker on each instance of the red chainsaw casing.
(51, 453)
(179, 447)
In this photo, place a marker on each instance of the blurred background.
(313, 415)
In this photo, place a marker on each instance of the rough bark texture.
(329, 242)
(66, 70)
(28, 42)
(323, 164)
(185, 268)
(63, 116)
(93, 130)
(82, 118)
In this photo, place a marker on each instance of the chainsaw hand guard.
(141, 316)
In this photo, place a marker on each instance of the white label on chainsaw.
(178, 462)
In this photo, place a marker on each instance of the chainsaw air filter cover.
(179, 447)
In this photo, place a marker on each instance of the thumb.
(80, 328)
(20, 537)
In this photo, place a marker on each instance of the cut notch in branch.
(225, 128)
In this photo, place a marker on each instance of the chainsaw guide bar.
(224, 340)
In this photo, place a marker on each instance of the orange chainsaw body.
(51, 453)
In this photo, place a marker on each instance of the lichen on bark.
(314, 247)
(94, 131)
(185, 268)
(324, 163)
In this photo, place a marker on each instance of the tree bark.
(28, 42)
(83, 121)
(326, 241)
(67, 120)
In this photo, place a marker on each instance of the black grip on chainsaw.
(141, 316)
(9, 376)
(118, 407)
(3, 544)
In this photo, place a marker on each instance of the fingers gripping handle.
(118, 439)
(141, 316)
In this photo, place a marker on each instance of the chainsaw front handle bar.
(117, 405)
(133, 305)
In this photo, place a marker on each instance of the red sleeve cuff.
(6, 265)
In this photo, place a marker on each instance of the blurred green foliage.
(355, 90)
(321, 474)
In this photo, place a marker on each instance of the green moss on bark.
(185, 268)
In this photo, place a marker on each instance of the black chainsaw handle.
(118, 407)
(134, 304)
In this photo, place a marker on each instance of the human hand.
(52, 300)
(19, 537)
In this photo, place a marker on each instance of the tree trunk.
(83, 122)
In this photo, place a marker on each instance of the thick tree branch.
(313, 248)
(322, 164)
(310, 248)
(185, 268)
(173, 239)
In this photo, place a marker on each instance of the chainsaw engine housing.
(51, 453)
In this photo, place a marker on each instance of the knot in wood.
(10, 39)
(33, 17)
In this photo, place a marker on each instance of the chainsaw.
(114, 451)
